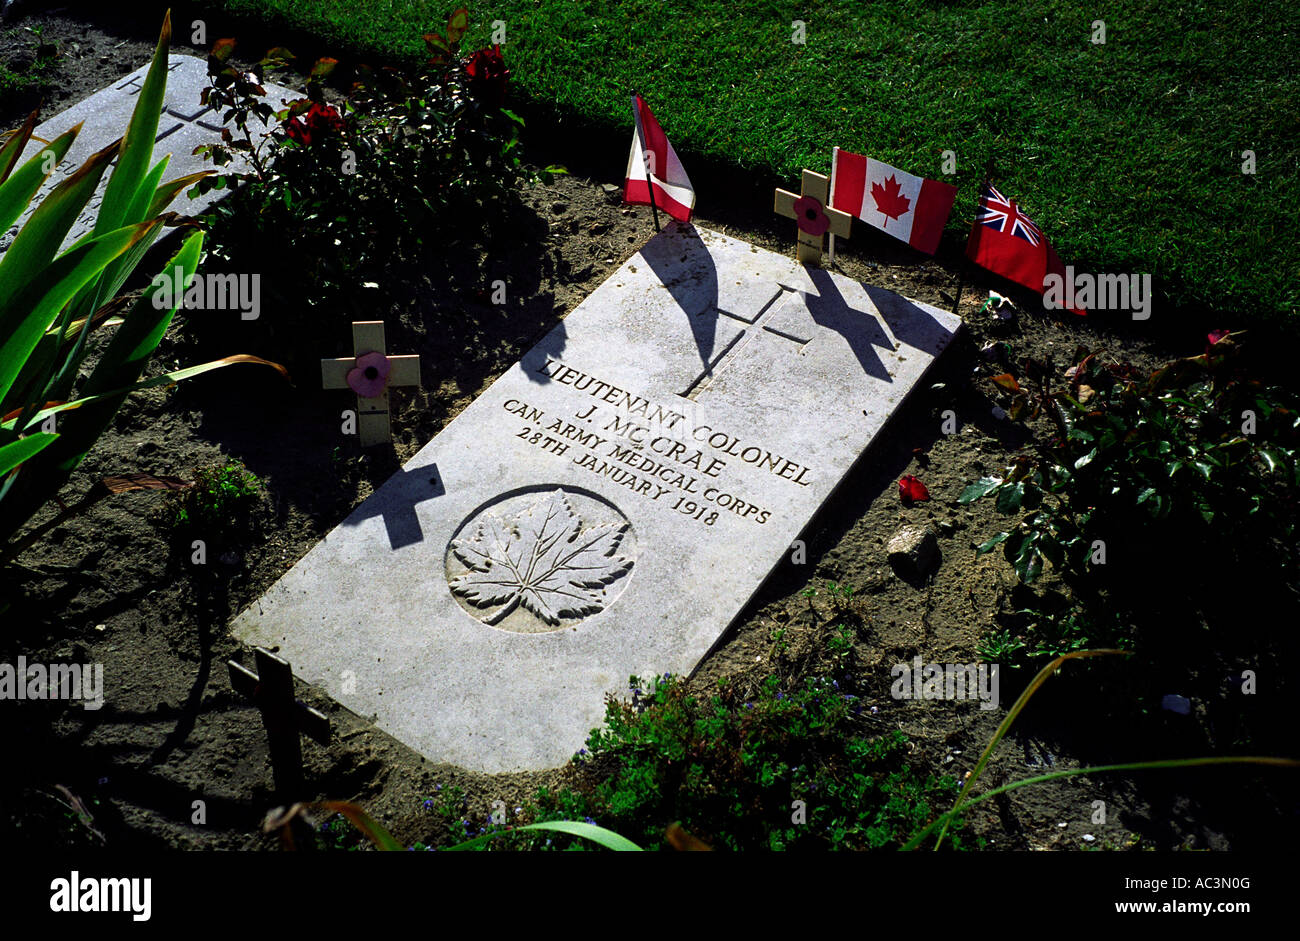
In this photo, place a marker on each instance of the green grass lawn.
(1127, 153)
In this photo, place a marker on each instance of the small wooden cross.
(271, 689)
(364, 369)
(814, 216)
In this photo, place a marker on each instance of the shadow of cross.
(396, 501)
(271, 689)
(793, 317)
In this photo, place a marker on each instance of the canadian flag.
(910, 208)
(653, 168)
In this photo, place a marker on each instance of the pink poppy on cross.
(370, 372)
(814, 217)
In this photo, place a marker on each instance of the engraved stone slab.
(606, 508)
(183, 125)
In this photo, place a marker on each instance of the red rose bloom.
(320, 120)
(487, 76)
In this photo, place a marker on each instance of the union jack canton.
(998, 212)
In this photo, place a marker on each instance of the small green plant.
(1135, 486)
(25, 79)
(787, 767)
(1000, 647)
(338, 834)
(1165, 457)
(840, 647)
(222, 498)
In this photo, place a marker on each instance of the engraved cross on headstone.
(364, 373)
(799, 316)
(757, 325)
(174, 114)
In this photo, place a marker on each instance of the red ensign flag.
(1007, 242)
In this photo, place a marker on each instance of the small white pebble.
(1088, 838)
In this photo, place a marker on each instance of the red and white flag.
(910, 208)
(653, 167)
(1006, 241)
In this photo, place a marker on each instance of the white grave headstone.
(183, 125)
(606, 508)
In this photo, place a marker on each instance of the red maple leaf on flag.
(889, 198)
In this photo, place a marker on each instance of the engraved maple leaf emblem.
(542, 558)
(890, 199)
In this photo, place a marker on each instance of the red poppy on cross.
(370, 373)
(814, 217)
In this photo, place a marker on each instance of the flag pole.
(835, 153)
(967, 269)
(645, 159)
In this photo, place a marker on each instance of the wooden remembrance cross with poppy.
(813, 216)
(370, 373)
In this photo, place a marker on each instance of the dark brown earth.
(115, 587)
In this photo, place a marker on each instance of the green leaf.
(978, 489)
(222, 49)
(1052, 550)
(17, 191)
(121, 364)
(26, 315)
(1024, 557)
(322, 68)
(1085, 460)
(457, 23)
(39, 239)
(1272, 459)
(138, 143)
(991, 543)
(1033, 496)
(1010, 498)
(15, 452)
(15, 143)
(606, 838)
(171, 378)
